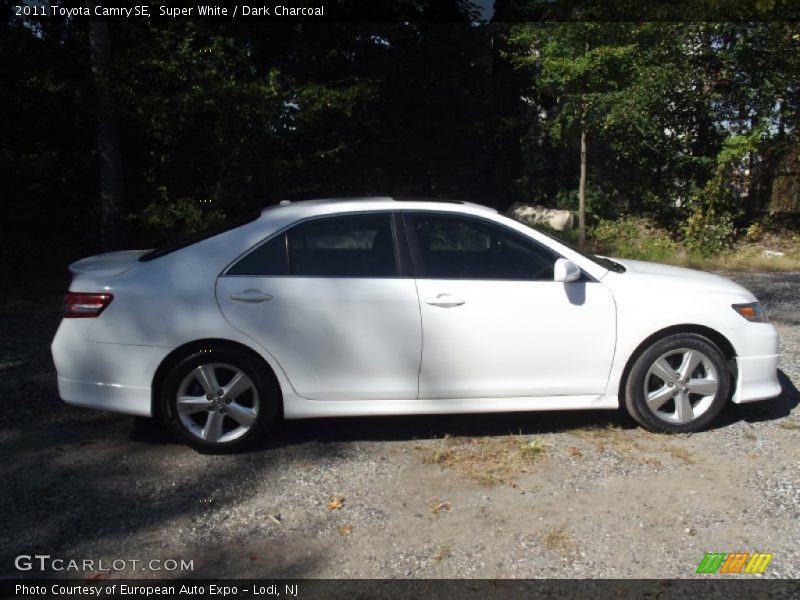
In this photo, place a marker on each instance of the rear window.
(183, 242)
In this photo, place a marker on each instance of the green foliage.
(598, 204)
(241, 115)
(633, 237)
(168, 219)
(785, 192)
(709, 233)
(709, 228)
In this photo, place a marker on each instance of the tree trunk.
(111, 200)
(582, 192)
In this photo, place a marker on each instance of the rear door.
(329, 299)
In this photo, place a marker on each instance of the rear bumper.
(758, 378)
(114, 377)
(125, 399)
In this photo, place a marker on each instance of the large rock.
(532, 214)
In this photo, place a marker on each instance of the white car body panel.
(310, 325)
(519, 333)
(468, 358)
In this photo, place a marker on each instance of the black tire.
(258, 402)
(650, 376)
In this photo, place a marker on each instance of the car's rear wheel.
(679, 384)
(219, 401)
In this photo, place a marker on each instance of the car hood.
(680, 278)
(108, 264)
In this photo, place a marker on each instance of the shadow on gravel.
(765, 410)
(403, 428)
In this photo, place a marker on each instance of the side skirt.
(297, 407)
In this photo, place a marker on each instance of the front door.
(494, 322)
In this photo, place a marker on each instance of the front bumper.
(758, 378)
(756, 346)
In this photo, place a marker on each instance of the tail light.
(79, 304)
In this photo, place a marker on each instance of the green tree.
(581, 70)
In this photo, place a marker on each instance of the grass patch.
(574, 452)
(681, 454)
(612, 438)
(741, 260)
(487, 460)
(636, 445)
(442, 553)
(626, 444)
(557, 539)
(640, 238)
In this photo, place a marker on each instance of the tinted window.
(361, 246)
(267, 259)
(458, 248)
(357, 246)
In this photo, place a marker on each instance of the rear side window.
(267, 259)
(351, 246)
(453, 247)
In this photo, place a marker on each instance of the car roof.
(366, 203)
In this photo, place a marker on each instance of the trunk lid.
(107, 264)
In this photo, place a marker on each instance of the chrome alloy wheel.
(681, 385)
(217, 403)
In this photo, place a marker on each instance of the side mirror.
(566, 271)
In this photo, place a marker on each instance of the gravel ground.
(521, 495)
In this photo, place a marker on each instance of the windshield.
(604, 262)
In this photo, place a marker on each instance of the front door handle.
(250, 296)
(445, 301)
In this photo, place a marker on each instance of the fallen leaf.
(96, 575)
(335, 502)
(437, 506)
(346, 529)
(254, 557)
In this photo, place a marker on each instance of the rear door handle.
(445, 300)
(250, 296)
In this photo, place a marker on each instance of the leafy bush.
(707, 233)
(598, 204)
(633, 237)
(167, 219)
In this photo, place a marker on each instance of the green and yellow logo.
(736, 562)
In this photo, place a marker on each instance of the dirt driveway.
(520, 495)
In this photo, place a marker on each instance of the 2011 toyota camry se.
(381, 306)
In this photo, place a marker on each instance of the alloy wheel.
(681, 385)
(217, 403)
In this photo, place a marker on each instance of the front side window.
(453, 247)
(350, 246)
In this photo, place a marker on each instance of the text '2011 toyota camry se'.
(378, 306)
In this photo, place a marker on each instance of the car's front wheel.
(218, 400)
(679, 384)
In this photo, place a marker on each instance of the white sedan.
(382, 306)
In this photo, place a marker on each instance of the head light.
(752, 311)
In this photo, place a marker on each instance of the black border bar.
(731, 587)
(402, 11)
